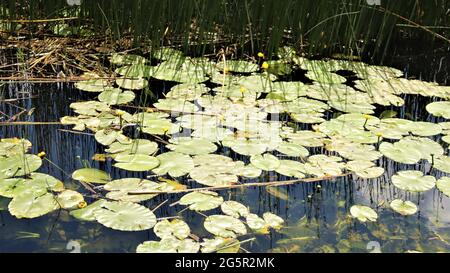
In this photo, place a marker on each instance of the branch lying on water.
(245, 185)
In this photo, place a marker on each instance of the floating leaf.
(443, 184)
(414, 181)
(116, 96)
(132, 84)
(439, 109)
(175, 164)
(274, 221)
(235, 209)
(169, 245)
(292, 149)
(220, 245)
(403, 207)
(363, 213)
(201, 201)
(192, 146)
(224, 226)
(266, 162)
(69, 199)
(137, 146)
(238, 66)
(88, 213)
(19, 165)
(400, 153)
(175, 228)
(91, 175)
(119, 189)
(14, 146)
(32, 205)
(136, 162)
(94, 85)
(125, 216)
(291, 168)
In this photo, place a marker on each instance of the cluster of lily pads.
(236, 106)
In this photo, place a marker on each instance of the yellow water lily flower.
(265, 65)
(41, 154)
(120, 113)
(242, 89)
(260, 54)
(82, 205)
(367, 116)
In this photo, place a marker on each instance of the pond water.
(316, 214)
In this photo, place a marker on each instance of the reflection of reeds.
(321, 25)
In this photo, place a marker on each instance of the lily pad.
(414, 181)
(175, 164)
(69, 199)
(88, 213)
(224, 226)
(201, 201)
(220, 245)
(136, 162)
(91, 175)
(443, 184)
(192, 146)
(363, 213)
(404, 207)
(266, 162)
(119, 189)
(234, 209)
(32, 205)
(175, 228)
(132, 84)
(116, 96)
(19, 165)
(439, 109)
(125, 216)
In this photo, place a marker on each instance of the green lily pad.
(363, 213)
(14, 146)
(414, 181)
(442, 163)
(176, 105)
(91, 175)
(126, 59)
(404, 207)
(136, 162)
(234, 209)
(191, 146)
(169, 245)
(443, 184)
(19, 165)
(220, 245)
(125, 216)
(175, 228)
(137, 146)
(116, 96)
(224, 226)
(37, 183)
(292, 149)
(400, 153)
(266, 162)
(132, 84)
(273, 220)
(175, 164)
(32, 205)
(107, 137)
(291, 168)
(94, 85)
(365, 169)
(201, 201)
(88, 213)
(119, 189)
(69, 199)
(238, 66)
(439, 109)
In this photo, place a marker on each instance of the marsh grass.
(317, 26)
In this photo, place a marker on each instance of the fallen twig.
(245, 185)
